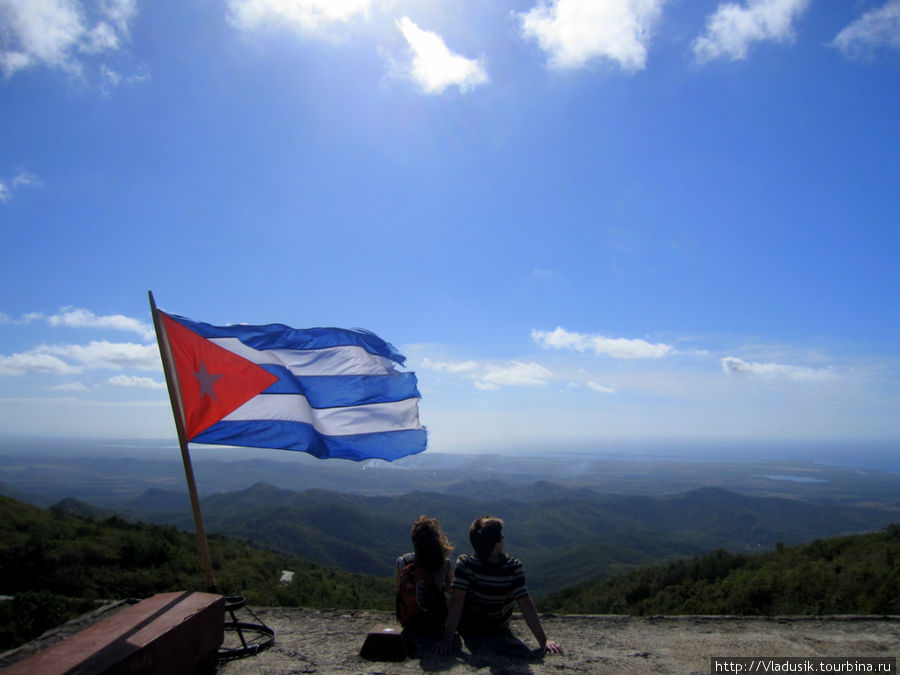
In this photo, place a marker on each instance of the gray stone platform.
(328, 641)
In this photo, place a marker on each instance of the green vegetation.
(30, 613)
(847, 575)
(57, 565)
(564, 536)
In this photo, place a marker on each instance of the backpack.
(419, 601)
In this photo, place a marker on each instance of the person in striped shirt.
(485, 588)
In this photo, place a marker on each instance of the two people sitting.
(484, 587)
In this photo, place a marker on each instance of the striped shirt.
(491, 590)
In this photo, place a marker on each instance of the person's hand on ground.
(445, 646)
(553, 647)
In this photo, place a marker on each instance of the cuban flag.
(331, 392)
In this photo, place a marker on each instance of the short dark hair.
(484, 534)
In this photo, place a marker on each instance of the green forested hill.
(564, 536)
(856, 574)
(56, 565)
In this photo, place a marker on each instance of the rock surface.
(329, 641)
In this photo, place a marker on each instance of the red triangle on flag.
(213, 381)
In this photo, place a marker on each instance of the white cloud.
(53, 32)
(100, 38)
(617, 348)
(120, 13)
(141, 75)
(735, 366)
(110, 77)
(64, 359)
(135, 381)
(450, 366)
(67, 359)
(299, 15)
(35, 362)
(732, 28)
(74, 317)
(876, 28)
(22, 179)
(515, 373)
(493, 376)
(70, 386)
(106, 355)
(10, 62)
(31, 317)
(434, 67)
(575, 32)
(603, 389)
(44, 31)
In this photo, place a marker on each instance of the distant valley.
(45, 472)
(573, 521)
(565, 536)
(596, 534)
(58, 565)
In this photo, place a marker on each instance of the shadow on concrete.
(421, 646)
(501, 653)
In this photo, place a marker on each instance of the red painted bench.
(169, 633)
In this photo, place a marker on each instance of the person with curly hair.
(423, 577)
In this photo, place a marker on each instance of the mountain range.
(565, 536)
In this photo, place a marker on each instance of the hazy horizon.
(868, 455)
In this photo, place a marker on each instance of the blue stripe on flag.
(323, 391)
(388, 445)
(338, 394)
(279, 336)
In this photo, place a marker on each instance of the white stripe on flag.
(344, 360)
(359, 419)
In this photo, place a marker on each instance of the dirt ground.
(329, 641)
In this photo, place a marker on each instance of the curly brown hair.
(430, 544)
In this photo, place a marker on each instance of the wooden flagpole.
(165, 353)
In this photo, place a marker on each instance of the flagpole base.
(243, 638)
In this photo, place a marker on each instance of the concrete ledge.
(169, 633)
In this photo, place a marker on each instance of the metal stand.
(253, 637)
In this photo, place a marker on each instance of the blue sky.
(582, 221)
